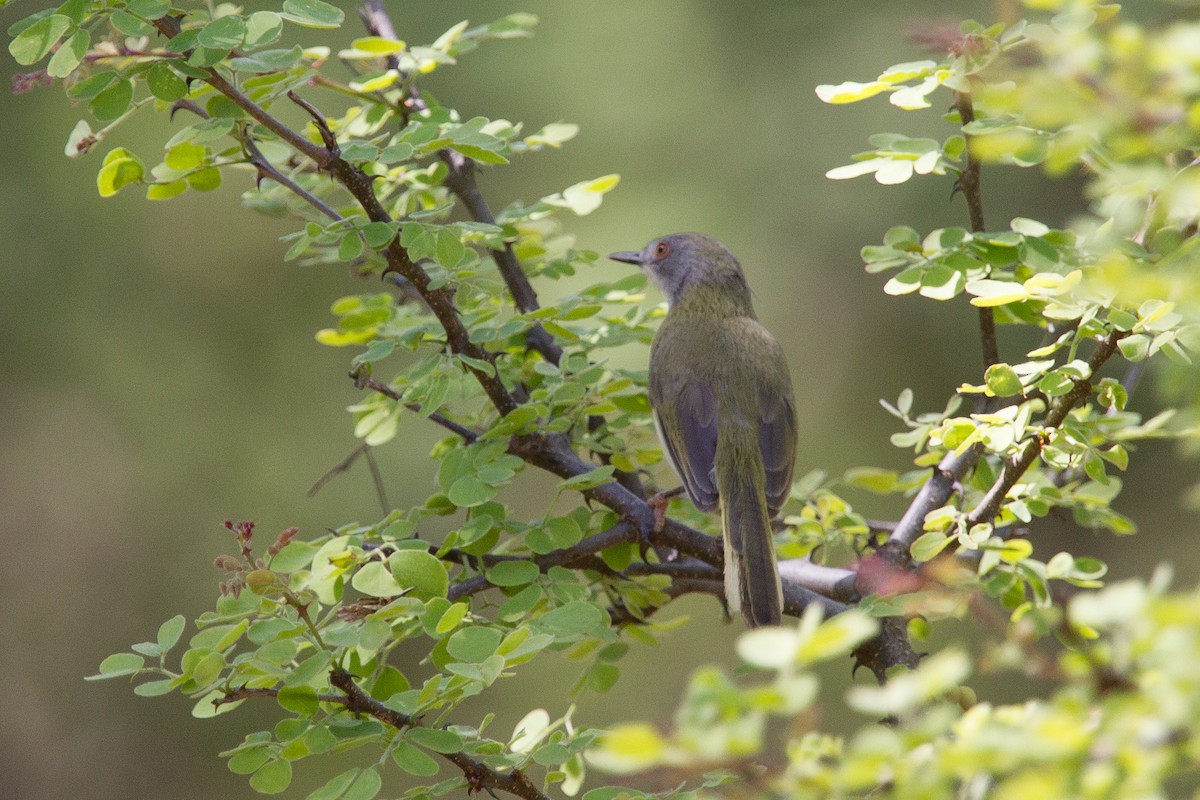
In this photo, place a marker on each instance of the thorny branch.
(552, 452)
(480, 777)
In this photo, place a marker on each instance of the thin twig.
(458, 429)
(268, 170)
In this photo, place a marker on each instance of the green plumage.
(722, 401)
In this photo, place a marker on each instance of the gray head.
(682, 260)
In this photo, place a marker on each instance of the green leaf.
(165, 191)
(576, 617)
(148, 9)
(272, 778)
(32, 44)
(129, 25)
(422, 571)
(473, 644)
(120, 168)
(1002, 380)
(269, 61)
(588, 480)
(170, 631)
(205, 180)
(990, 292)
(413, 760)
(375, 579)
(378, 45)
(300, 699)
(941, 283)
(469, 491)
(185, 156)
(154, 688)
(165, 84)
(113, 101)
(248, 760)
(439, 740)
(929, 545)
(262, 28)
(450, 249)
(69, 54)
(312, 13)
(91, 86)
(479, 154)
(379, 234)
(512, 573)
(119, 664)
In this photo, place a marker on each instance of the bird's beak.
(628, 256)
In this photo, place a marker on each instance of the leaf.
(529, 731)
(113, 101)
(421, 571)
(268, 60)
(468, 491)
(300, 699)
(170, 631)
(148, 9)
(120, 168)
(273, 777)
(1002, 380)
(129, 25)
(413, 760)
(378, 45)
(69, 54)
(473, 644)
(439, 740)
(588, 480)
(312, 13)
(929, 545)
(376, 580)
(512, 573)
(32, 44)
(164, 83)
(585, 197)
(262, 28)
(850, 92)
(990, 292)
(577, 616)
(119, 664)
(770, 647)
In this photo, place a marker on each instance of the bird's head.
(682, 260)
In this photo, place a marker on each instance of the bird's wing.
(685, 414)
(777, 440)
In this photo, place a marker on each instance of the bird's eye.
(661, 249)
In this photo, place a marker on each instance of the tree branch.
(968, 184)
(480, 777)
(989, 506)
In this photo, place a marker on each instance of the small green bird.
(723, 406)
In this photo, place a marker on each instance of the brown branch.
(480, 777)
(458, 429)
(989, 506)
(268, 170)
(947, 475)
(361, 186)
(968, 184)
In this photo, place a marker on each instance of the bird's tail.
(751, 577)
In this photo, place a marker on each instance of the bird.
(722, 402)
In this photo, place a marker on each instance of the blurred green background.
(158, 372)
